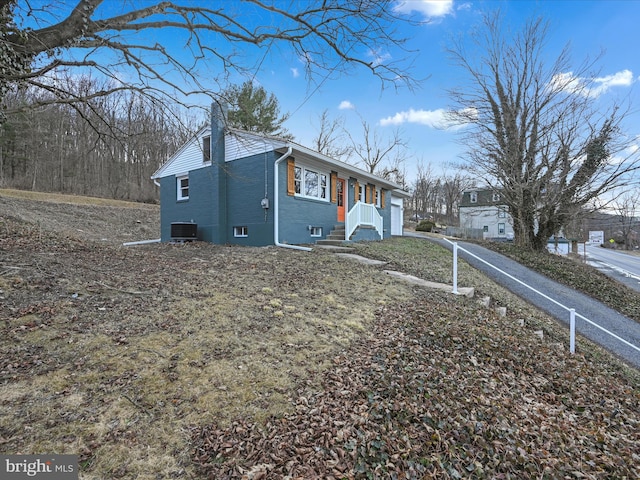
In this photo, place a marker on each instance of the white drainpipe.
(276, 195)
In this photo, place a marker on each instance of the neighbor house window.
(473, 197)
(316, 231)
(310, 183)
(502, 213)
(183, 187)
(496, 197)
(501, 229)
(240, 232)
(485, 229)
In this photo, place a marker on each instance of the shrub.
(425, 226)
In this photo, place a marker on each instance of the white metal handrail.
(572, 312)
(363, 214)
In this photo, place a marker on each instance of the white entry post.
(455, 268)
(572, 330)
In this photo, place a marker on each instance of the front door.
(341, 193)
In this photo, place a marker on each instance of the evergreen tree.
(253, 109)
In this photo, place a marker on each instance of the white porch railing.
(363, 214)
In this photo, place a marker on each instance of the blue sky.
(588, 27)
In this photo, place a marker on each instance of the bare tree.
(121, 41)
(330, 137)
(534, 132)
(58, 147)
(453, 187)
(425, 192)
(627, 208)
(374, 150)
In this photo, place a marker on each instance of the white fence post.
(455, 268)
(572, 330)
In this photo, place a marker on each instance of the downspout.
(276, 195)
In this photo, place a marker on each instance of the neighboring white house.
(483, 209)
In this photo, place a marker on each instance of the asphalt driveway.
(610, 320)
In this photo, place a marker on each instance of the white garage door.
(396, 219)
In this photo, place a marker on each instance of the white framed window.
(240, 232)
(182, 187)
(501, 229)
(363, 192)
(316, 231)
(495, 197)
(473, 197)
(502, 213)
(377, 197)
(311, 183)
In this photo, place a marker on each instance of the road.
(622, 266)
(553, 293)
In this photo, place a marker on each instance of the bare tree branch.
(330, 37)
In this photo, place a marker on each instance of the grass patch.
(182, 361)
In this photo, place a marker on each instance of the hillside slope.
(89, 218)
(205, 361)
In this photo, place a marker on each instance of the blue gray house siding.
(297, 214)
(249, 181)
(246, 183)
(197, 209)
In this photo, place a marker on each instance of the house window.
(377, 198)
(309, 183)
(501, 229)
(240, 232)
(496, 197)
(183, 187)
(363, 193)
(316, 231)
(485, 229)
(502, 213)
(206, 149)
(473, 197)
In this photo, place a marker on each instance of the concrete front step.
(336, 243)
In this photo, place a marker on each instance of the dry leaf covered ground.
(203, 361)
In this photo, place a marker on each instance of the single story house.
(484, 209)
(229, 186)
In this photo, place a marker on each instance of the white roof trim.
(280, 144)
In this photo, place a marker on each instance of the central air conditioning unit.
(184, 231)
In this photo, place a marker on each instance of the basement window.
(316, 231)
(240, 232)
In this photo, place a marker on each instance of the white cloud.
(295, 72)
(379, 57)
(591, 87)
(438, 119)
(346, 105)
(429, 8)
